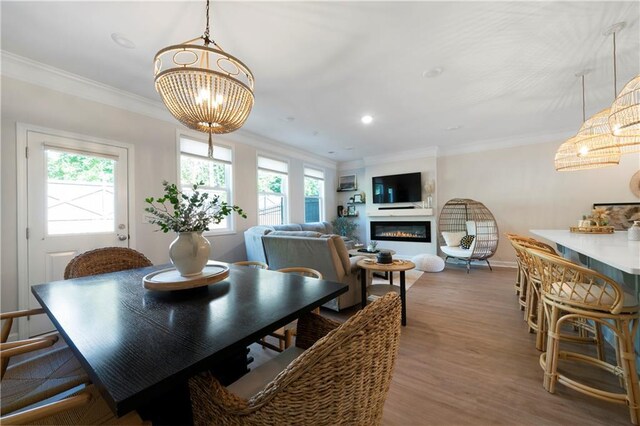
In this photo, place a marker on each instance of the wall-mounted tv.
(405, 188)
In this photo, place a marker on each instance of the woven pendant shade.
(594, 141)
(624, 118)
(567, 159)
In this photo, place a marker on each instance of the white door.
(77, 201)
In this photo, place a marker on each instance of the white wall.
(523, 191)
(155, 160)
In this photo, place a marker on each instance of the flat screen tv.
(405, 188)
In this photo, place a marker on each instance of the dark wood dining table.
(138, 346)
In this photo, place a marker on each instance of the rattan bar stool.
(520, 284)
(285, 334)
(534, 313)
(571, 292)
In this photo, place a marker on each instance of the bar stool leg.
(628, 358)
(600, 342)
(541, 335)
(551, 364)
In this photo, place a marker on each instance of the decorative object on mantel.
(358, 198)
(170, 279)
(593, 229)
(189, 215)
(371, 247)
(633, 233)
(429, 188)
(634, 184)
(621, 215)
(204, 87)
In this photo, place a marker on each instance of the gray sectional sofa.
(309, 245)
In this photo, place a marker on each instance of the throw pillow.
(452, 239)
(466, 241)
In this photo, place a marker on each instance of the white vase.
(189, 253)
(634, 232)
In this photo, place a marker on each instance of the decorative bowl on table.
(384, 257)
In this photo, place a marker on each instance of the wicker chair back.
(104, 260)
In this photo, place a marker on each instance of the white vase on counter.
(633, 233)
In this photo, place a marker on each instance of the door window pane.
(80, 193)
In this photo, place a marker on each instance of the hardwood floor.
(466, 358)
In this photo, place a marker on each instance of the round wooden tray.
(592, 229)
(170, 279)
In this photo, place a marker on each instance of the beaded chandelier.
(204, 87)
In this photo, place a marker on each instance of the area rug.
(410, 278)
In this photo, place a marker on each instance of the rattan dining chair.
(570, 291)
(104, 260)
(85, 407)
(252, 264)
(341, 378)
(520, 277)
(41, 367)
(285, 334)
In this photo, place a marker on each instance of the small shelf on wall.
(350, 215)
(355, 204)
(346, 190)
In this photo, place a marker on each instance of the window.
(313, 195)
(196, 166)
(273, 187)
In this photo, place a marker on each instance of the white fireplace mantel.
(400, 212)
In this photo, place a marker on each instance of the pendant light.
(204, 87)
(567, 159)
(625, 118)
(594, 139)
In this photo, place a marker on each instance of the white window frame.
(286, 190)
(323, 194)
(231, 219)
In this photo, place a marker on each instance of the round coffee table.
(397, 265)
(373, 255)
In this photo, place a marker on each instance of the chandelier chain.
(206, 37)
(583, 101)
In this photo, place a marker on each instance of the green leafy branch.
(188, 213)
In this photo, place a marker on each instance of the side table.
(397, 265)
(373, 255)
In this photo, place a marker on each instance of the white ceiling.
(508, 66)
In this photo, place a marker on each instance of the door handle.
(123, 237)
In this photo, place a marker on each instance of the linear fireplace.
(419, 232)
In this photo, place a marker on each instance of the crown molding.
(37, 73)
(504, 143)
(351, 165)
(431, 151)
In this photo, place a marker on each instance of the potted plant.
(188, 215)
(345, 227)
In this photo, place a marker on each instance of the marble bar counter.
(614, 249)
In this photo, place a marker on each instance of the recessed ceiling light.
(433, 72)
(348, 148)
(366, 119)
(456, 127)
(123, 41)
(331, 152)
